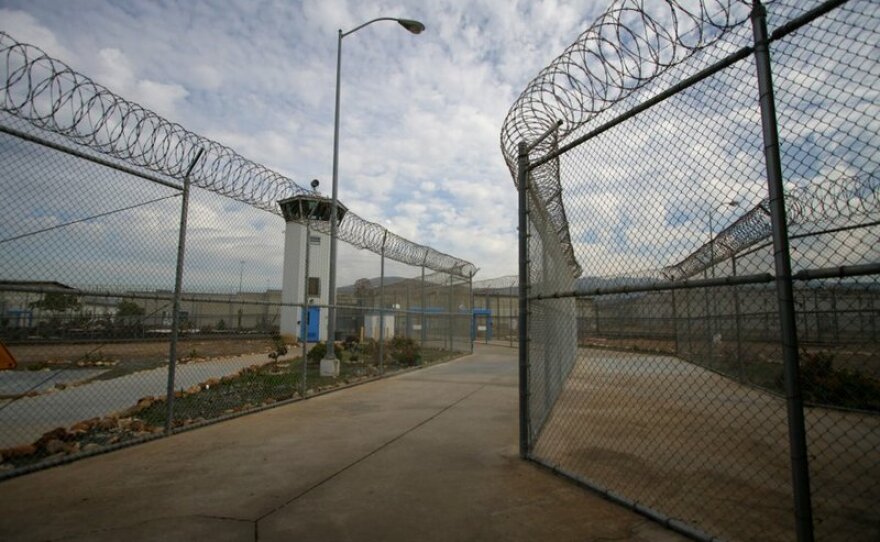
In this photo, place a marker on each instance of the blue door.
(313, 323)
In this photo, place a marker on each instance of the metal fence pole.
(450, 319)
(674, 324)
(408, 308)
(304, 326)
(736, 322)
(382, 305)
(424, 322)
(178, 282)
(522, 176)
(797, 433)
(473, 323)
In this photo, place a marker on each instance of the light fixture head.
(413, 26)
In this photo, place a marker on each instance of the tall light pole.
(329, 365)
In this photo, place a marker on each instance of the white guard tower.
(301, 213)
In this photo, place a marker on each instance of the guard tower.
(307, 217)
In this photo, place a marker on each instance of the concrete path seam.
(361, 459)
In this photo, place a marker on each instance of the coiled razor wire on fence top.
(631, 44)
(825, 204)
(51, 96)
(628, 46)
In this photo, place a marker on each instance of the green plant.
(279, 347)
(317, 353)
(405, 351)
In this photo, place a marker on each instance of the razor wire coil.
(51, 96)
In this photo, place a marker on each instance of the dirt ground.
(704, 449)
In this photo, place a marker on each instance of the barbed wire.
(628, 46)
(846, 198)
(51, 96)
(497, 284)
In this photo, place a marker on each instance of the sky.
(421, 115)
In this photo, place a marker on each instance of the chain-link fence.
(496, 311)
(150, 281)
(700, 266)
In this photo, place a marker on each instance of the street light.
(330, 365)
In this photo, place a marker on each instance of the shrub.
(823, 384)
(279, 346)
(370, 351)
(405, 351)
(350, 343)
(317, 353)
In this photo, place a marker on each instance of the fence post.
(382, 305)
(304, 319)
(674, 324)
(736, 321)
(522, 176)
(797, 433)
(424, 322)
(408, 308)
(451, 318)
(178, 282)
(473, 323)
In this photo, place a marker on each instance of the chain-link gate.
(699, 265)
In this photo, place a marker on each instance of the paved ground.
(429, 455)
(22, 421)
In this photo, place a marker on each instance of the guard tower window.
(315, 240)
(315, 286)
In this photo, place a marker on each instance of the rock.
(59, 433)
(268, 401)
(113, 440)
(91, 446)
(56, 446)
(193, 389)
(107, 424)
(145, 402)
(212, 382)
(84, 426)
(19, 451)
(136, 426)
(227, 379)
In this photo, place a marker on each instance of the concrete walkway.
(428, 455)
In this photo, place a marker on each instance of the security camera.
(315, 183)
